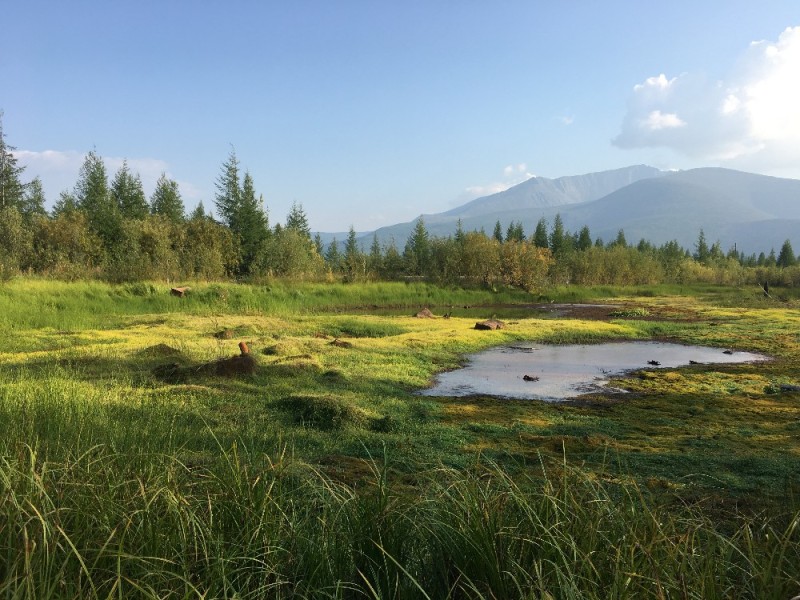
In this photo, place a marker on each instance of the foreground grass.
(322, 475)
(256, 526)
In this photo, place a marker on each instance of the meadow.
(130, 469)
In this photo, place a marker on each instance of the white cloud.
(657, 120)
(750, 120)
(59, 171)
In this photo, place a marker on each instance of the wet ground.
(546, 372)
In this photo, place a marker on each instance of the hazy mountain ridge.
(754, 212)
(540, 192)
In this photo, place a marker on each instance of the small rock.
(530, 378)
(490, 324)
(180, 292)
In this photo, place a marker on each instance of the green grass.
(323, 475)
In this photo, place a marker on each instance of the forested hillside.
(106, 228)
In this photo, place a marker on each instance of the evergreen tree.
(318, 246)
(771, 260)
(515, 232)
(11, 188)
(166, 200)
(459, 237)
(786, 257)
(620, 240)
(92, 197)
(298, 221)
(584, 241)
(702, 253)
(558, 236)
(417, 250)
(332, 256)
(66, 204)
(252, 226)
(498, 232)
(354, 263)
(375, 259)
(33, 200)
(228, 199)
(540, 238)
(128, 195)
(198, 213)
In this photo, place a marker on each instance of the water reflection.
(561, 372)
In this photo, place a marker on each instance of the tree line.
(111, 230)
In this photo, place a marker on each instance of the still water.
(561, 372)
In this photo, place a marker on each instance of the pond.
(546, 372)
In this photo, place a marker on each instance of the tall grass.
(34, 303)
(256, 526)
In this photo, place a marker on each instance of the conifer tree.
(297, 220)
(786, 257)
(417, 250)
(128, 195)
(584, 241)
(354, 263)
(228, 199)
(11, 187)
(93, 198)
(557, 236)
(702, 253)
(540, 237)
(252, 225)
(166, 200)
(332, 256)
(498, 232)
(33, 200)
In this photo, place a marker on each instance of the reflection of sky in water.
(566, 371)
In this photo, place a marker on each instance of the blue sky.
(369, 113)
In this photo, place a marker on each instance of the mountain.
(540, 192)
(754, 212)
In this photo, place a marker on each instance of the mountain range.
(756, 213)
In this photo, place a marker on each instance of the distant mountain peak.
(753, 212)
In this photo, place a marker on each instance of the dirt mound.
(225, 334)
(244, 364)
(162, 350)
(340, 343)
(425, 313)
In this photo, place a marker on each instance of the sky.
(370, 112)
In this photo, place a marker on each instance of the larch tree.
(33, 200)
(166, 200)
(92, 197)
(128, 195)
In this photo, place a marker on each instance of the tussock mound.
(160, 350)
